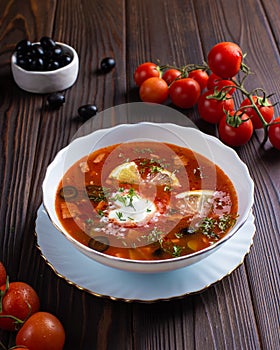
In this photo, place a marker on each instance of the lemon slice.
(126, 173)
(197, 201)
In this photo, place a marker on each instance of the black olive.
(23, 45)
(47, 43)
(23, 62)
(53, 65)
(37, 50)
(87, 111)
(158, 252)
(107, 64)
(187, 231)
(48, 54)
(57, 51)
(56, 100)
(99, 243)
(65, 59)
(68, 192)
(37, 64)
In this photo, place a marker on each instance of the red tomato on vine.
(184, 93)
(42, 331)
(235, 136)
(171, 75)
(200, 76)
(214, 81)
(20, 301)
(274, 133)
(3, 274)
(224, 59)
(145, 71)
(212, 110)
(154, 90)
(265, 107)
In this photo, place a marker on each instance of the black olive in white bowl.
(45, 66)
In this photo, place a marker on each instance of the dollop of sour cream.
(129, 208)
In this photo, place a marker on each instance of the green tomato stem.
(249, 95)
(17, 320)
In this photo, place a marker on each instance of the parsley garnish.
(177, 250)
(120, 216)
(126, 199)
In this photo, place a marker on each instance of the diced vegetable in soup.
(146, 201)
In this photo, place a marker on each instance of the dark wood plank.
(19, 135)
(247, 25)
(26, 20)
(32, 135)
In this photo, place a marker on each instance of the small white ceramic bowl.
(209, 146)
(43, 82)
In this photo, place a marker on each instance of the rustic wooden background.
(242, 311)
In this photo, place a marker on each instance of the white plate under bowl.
(210, 147)
(103, 281)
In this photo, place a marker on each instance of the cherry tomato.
(42, 331)
(264, 106)
(200, 76)
(236, 136)
(154, 90)
(184, 93)
(212, 110)
(170, 75)
(20, 301)
(274, 133)
(145, 71)
(216, 82)
(3, 274)
(224, 59)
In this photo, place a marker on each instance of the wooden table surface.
(239, 312)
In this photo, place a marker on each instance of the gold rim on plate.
(138, 300)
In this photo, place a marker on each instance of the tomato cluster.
(212, 86)
(20, 312)
(156, 84)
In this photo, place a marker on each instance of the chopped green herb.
(97, 193)
(177, 250)
(154, 236)
(127, 199)
(120, 216)
(207, 228)
(225, 222)
(179, 235)
(155, 169)
(209, 225)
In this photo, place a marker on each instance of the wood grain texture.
(240, 312)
